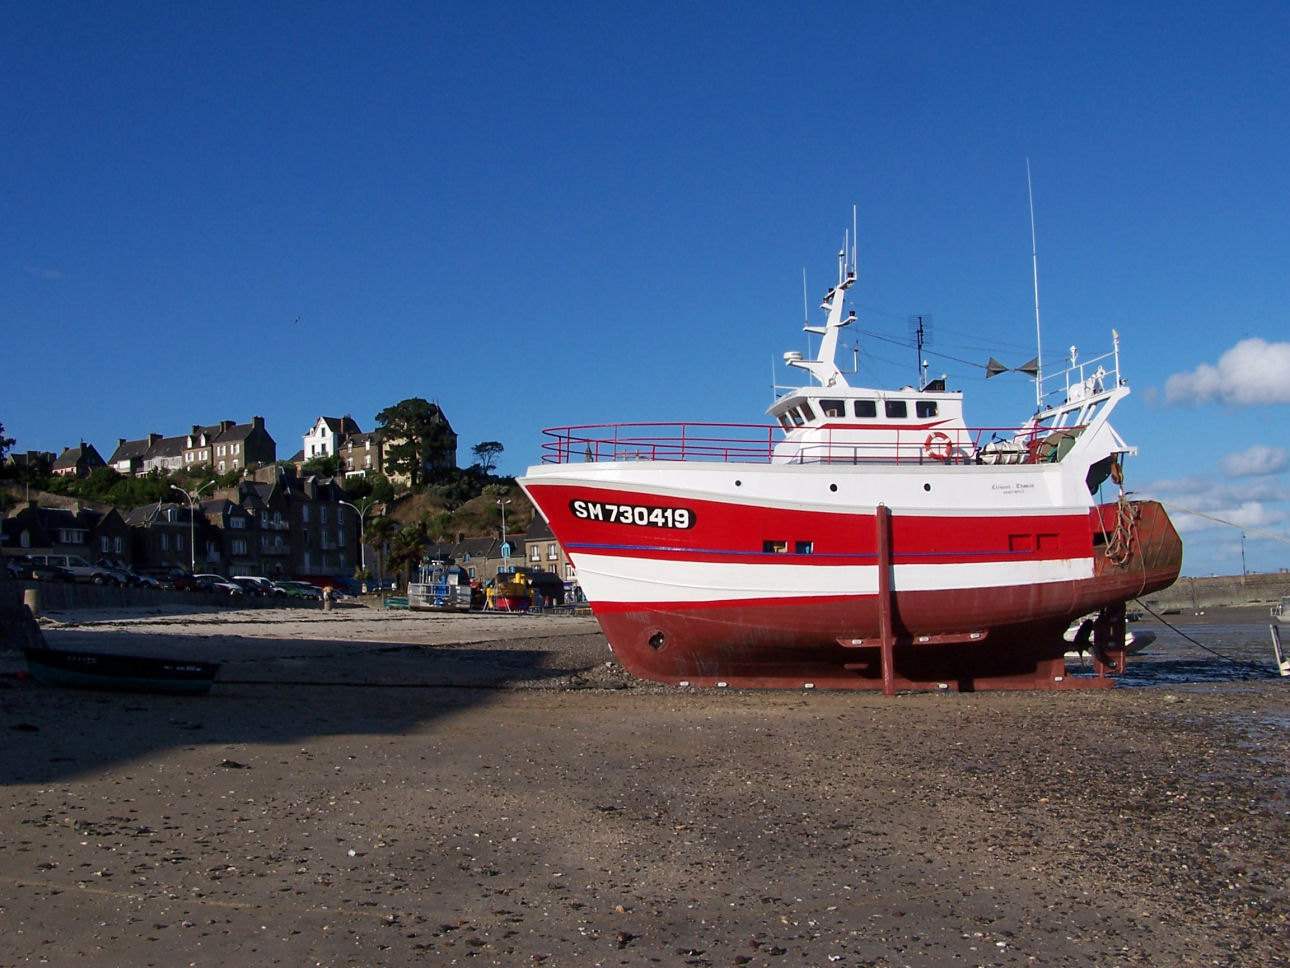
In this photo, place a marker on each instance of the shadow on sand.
(267, 692)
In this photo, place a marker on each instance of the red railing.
(756, 443)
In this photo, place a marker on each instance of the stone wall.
(18, 628)
(1215, 592)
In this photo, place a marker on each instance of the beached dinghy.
(130, 673)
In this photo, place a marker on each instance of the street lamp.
(192, 521)
(506, 549)
(362, 549)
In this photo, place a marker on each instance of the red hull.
(959, 639)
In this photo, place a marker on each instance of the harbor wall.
(1221, 590)
(56, 596)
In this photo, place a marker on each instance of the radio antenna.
(1034, 259)
(806, 309)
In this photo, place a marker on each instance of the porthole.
(833, 487)
(927, 487)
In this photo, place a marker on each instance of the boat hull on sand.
(128, 673)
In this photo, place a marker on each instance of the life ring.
(937, 445)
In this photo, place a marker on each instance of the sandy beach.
(364, 787)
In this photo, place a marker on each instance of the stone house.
(78, 461)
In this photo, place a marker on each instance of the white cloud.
(44, 273)
(1257, 461)
(1250, 514)
(1253, 371)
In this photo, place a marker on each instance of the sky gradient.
(583, 213)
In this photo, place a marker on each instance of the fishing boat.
(130, 673)
(441, 587)
(510, 591)
(866, 538)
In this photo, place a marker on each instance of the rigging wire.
(1230, 524)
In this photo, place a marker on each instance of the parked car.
(300, 589)
(217, 583)
(22, 567)
(81, 569)
(128, 575)
(255, 585)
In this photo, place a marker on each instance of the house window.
(304, 513)
(551, 554)
(24, 540)
(165, 541)
(535, 553)
(221, 467)
(239, 546)
(340, 538)
(322, 515)
(103, 544)
(116, 544)
(236, 522)
(235, 449)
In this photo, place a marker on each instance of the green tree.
(486, 453)
(377, 534)
(408, 548)
(328, 465)
(5, 444)
(133, 492)
(419, 436)
(98, 485)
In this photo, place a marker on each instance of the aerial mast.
(1034, 259)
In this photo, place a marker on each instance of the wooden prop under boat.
(130, 673)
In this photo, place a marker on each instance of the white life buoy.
(937, 445)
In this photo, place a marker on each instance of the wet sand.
(371, 788)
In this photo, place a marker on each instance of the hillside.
(478, 517)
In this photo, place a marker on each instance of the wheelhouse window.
(833, 408)
(866, 408)
(897, 409)
(925, 408)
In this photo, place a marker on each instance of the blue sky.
(538, 215)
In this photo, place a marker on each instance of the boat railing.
(763, 444)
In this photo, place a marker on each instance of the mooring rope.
(1201, 645)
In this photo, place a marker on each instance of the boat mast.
(824, 367)
(1034, 260)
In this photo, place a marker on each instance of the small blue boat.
(130, 673)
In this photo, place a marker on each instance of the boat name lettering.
(649, 517)
(1012, 487)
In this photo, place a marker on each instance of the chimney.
(120, 442)
(257, 423)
